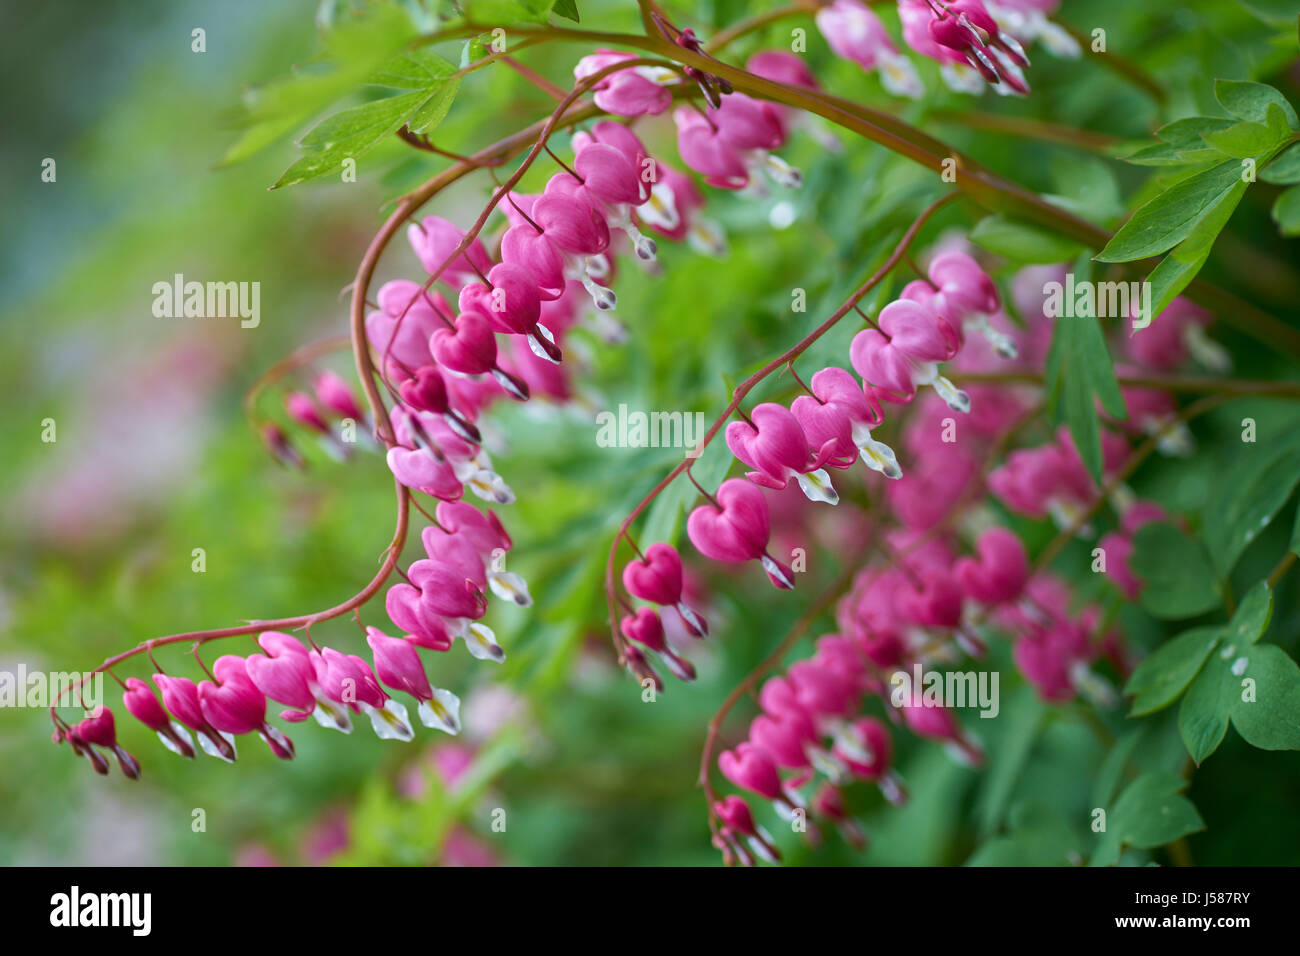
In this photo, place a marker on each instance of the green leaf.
(1206, 707)
(1254, 487)
(1246, 139)
(413, 70)
(353, 50)
(1179, 580)
(1164, 675)
(1181, 142)
(1271, 721)
(1111, 771)
(1024, 713)
(1079, 373)
(348, 135)
(567, 9)
(1021, 242)
(1170, 217)
(434, 109)
(1150, 812)
(1284, 170)
(1250, 621)
(1250, 101)
(1176, 271)
(1286, 212)
(502, 12)
(1294, 547)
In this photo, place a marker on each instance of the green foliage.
(1176, 572)
(1186, 218)
(1079, 375)
(1150, 812)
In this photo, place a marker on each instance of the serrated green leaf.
(1286, 212)
(1171, 217)
(1249, 101)
(434, 109)
(1178, 577)
(1271, 721)
(1021, 242)
(413, 70)
(1164, 675)
(1284, 170)
(348, 135)
(353, 50)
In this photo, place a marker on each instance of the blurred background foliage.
(154, 456)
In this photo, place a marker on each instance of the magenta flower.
(738, 821)
(635, 91)
(101, 731)
(435, 238)
(657, 577)
(142, 704)
(180, 696)
(645, 628)
(1000, 572)
(422, 628)
(234, 705)
(734, 527)
(835, 386)
(398, 665)
(752, 768)
(348, 680)
(335, 394)
(773, 444)
(855, 33)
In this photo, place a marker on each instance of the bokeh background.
(155, 456)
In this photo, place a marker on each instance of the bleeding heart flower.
(470, 347)
(1000, 573)
(735, 527)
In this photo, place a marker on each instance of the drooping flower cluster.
(832, 425)
(975, 44)
(923, 604)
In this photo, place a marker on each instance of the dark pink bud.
(333, 392)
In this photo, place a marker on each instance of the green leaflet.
(1080, 373)
(1257, 483)
(1284, 170)
(1179, 579)
(1170, 217)
(348, 134)
(1286, 212)
(1150, 812)
(1250, 101)
(1164, 675)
